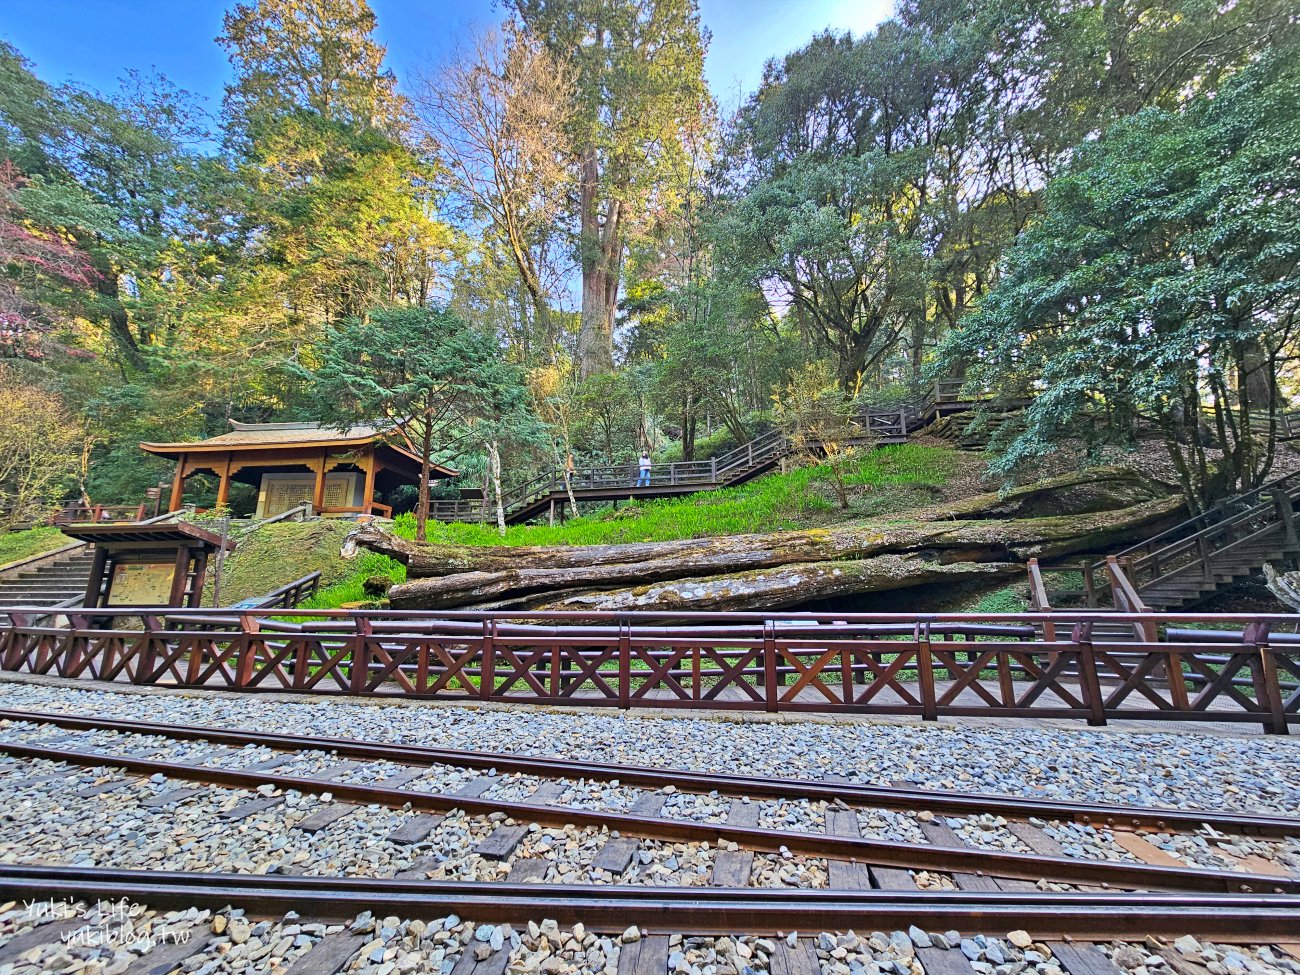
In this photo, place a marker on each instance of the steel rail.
(1021, 866)
(674, 909)
(954, 803)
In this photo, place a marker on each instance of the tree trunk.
(494, 463)
(422, 494)
(599, 247)
(119, 326)
(740, 571)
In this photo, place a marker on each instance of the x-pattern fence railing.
(1246, 669)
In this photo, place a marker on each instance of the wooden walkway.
(547, 494)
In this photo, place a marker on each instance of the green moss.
(278, 554)
(888, 480)
(352, 588)
(31, 541)
(1010, 599)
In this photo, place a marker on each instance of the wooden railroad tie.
(731, 868)
(95, 790)
(649, 956)
(501, 842)
(475, 787)
(171, 797)
(943, 961)
(166, 956)
(742, 813)
(648, 804)
(329, 955)
(528, 870)
(326, 815)
(47, 933)
(251, 807)
(469, 964)
(415, 830)
(799, 960)
(419, 869)
(616, 855)
(1080, 958)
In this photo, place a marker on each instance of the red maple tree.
(33, 261)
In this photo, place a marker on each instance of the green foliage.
(436, 381)
(856, 208)
(17, 545)
(351, 589)
(891, 479)
(1011, 599)
(1161, 278)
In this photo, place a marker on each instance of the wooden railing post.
(713, 470)
(624, 664)
(144, 660)
(1089, 682)
(770, 687)
(360, 655)
(1268, 691)
(1089, 585)
(925, 671)
(487, 668)
(250, 631)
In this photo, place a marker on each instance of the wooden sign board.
(142, 584)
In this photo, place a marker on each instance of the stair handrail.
(1128, 600)
(1221, 509)
(1038, 600)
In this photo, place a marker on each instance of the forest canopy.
(1091, 205)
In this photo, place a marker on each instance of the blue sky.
(95, 41)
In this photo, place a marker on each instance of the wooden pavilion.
(337, 471)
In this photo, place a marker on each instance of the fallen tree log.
(750, 571)
(789, 585)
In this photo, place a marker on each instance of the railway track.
(246, 780)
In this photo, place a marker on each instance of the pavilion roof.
(270, 436)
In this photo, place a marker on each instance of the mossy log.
(772, 570)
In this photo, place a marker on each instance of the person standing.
(643, 470)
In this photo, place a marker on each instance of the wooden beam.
(95, 583)
(223, 487)
(368, 492)
(178, 485)
(179, 577)
(200, 575)
(318, 498)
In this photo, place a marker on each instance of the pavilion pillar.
(368, 492)
(178, 485)
(318, 496)
(223, 487)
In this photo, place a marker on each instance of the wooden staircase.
(1203, 555)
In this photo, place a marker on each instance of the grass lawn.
(885, 481)
(31, 541)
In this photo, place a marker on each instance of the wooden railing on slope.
(72, 514)
(1194, 544)
(885, 423)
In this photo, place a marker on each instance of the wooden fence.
(928, 666)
